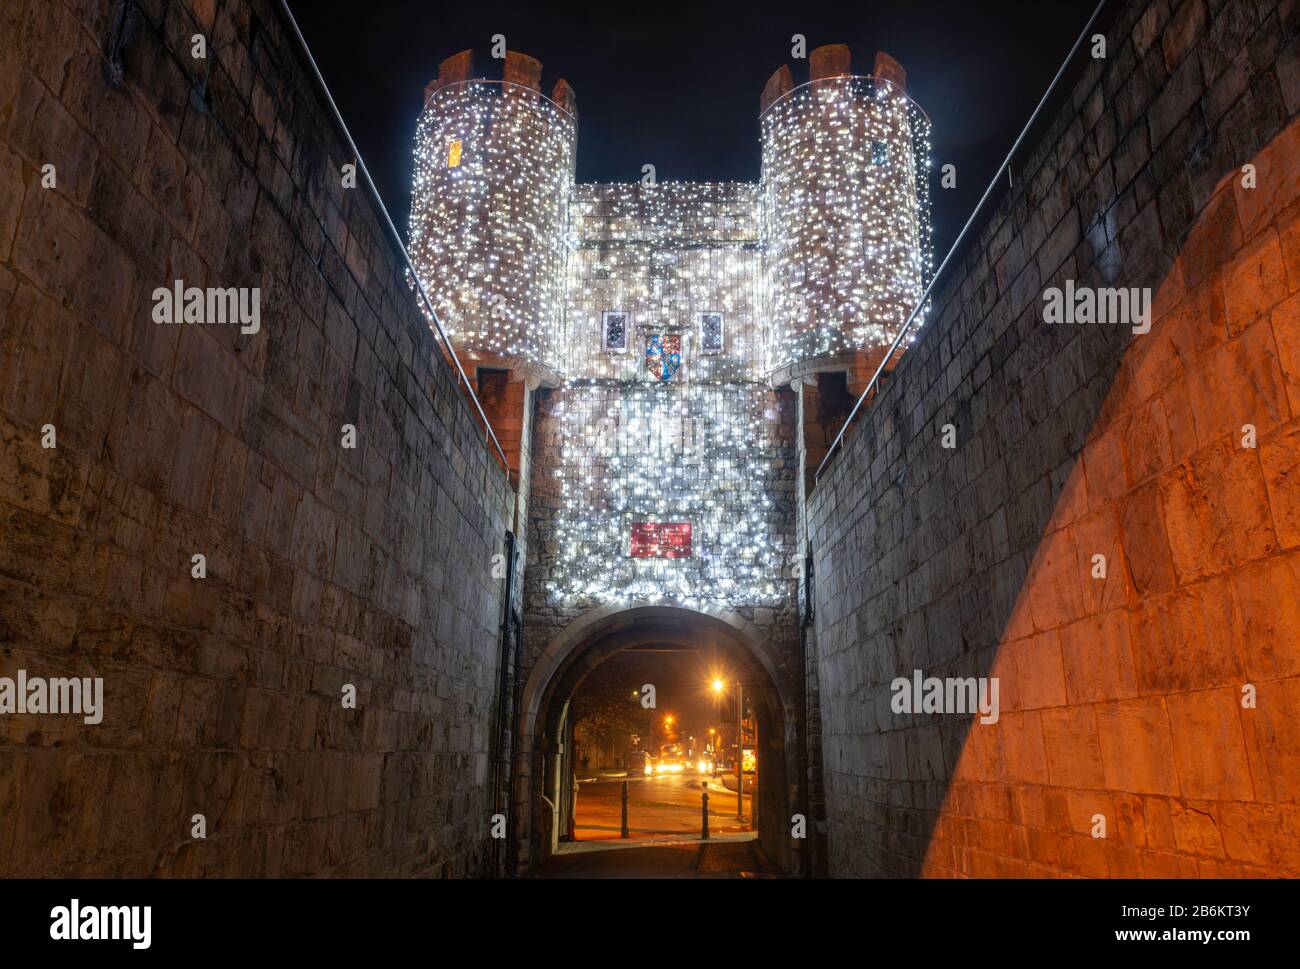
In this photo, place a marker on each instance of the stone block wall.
(325, 565)
(1152, 703)
(724, 449)
(665, 254)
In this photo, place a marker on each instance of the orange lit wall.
(1123, 697)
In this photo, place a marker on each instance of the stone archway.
(605, 630)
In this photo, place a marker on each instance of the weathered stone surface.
(523, 70)
(325, 566)
(781, 82)
(829, 60)
(1121, 695)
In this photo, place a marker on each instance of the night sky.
(677, 85)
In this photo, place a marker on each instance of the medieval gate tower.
(664, 365)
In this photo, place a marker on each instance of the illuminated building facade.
(657, 343)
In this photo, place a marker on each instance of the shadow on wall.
(1126, 743)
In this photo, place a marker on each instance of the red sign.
(661, 540)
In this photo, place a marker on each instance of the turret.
(494, 169)
(845, 212)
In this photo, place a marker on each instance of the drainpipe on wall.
(500, 770)
(806, 862)
(514, 762)
(512, 835)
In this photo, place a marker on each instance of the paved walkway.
(721, 857)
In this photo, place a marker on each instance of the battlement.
(519, 70)
(827, 63)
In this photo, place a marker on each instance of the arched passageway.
(723, 641)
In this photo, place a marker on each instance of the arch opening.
(610, 648)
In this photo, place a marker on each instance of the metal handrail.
(401, 246)
(997, 176)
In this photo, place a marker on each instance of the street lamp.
(718, 686)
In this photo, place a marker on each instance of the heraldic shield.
(663, 355)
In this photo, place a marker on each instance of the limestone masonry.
(270, 604)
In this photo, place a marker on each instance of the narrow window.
(711, 332)
(613, 338)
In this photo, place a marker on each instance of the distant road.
(669, 804)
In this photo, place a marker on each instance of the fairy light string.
(825, 255)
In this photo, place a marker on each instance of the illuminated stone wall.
(1154, 690)
(325, 565)
(606, 454)
(712, 446)
(719, 456)
(493, 173)
(845, 216)
(665, 254)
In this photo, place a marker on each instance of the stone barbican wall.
(1120, 697)
(325, 566)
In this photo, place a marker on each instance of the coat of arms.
(663, 354)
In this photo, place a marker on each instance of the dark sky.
(677, 85)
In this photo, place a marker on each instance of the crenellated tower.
(494, 171)
(845, 213)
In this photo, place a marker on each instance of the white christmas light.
(702, 453)
(826, 255)
(488, 233)
(846, 226)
